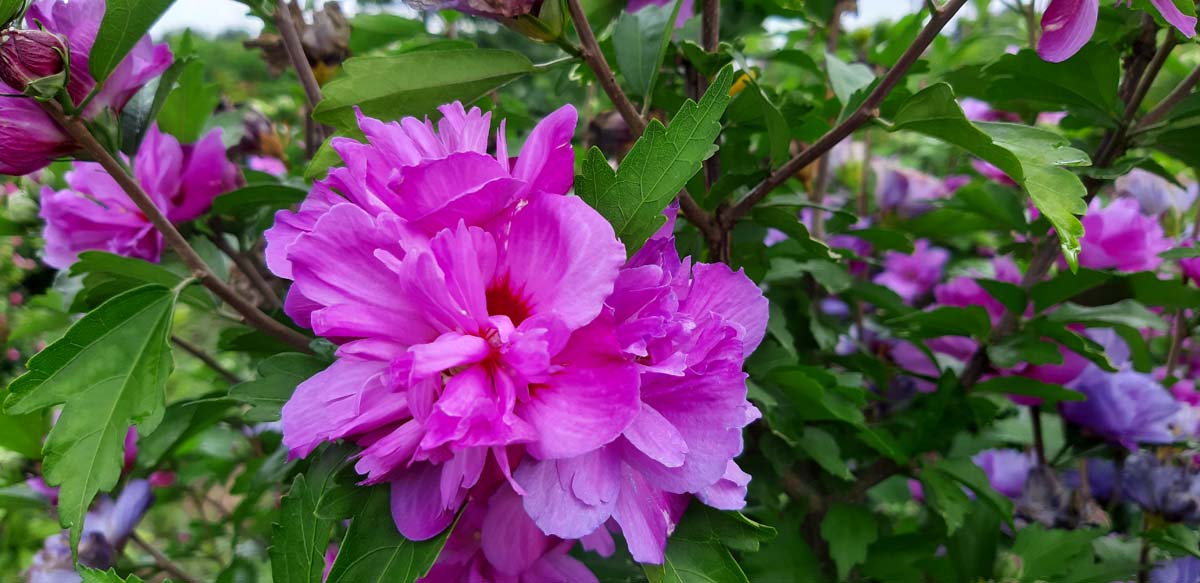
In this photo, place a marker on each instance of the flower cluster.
(29, 138)
(496, 347)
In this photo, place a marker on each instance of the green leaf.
(1046, 554)
(140, 113)
(125, 23)
(300, 539)
(1032, 157)
(278, 377)
(190, 105)
(1181, 253)
(821, 447)
(640, 42)
(849, 529)
(1123, 313)
(658, 166)
(245, 201)
(106, 275)
(415, 84)
(1024, 348)
(10, 10)
(972, 476)
(847, 79)
(945, 496)
(23, 433)
(181, 421)
(972, 321)
(1176, 538)
(372, 31)
(97, 576)
(1087, 80)
(1065, 286)
(109, 372)
(374, 551)
(698, 551)
(21, 496)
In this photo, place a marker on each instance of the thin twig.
(248, 269)
(865, 112)
(295, 49)
(592, 55)
(164, 562)
(206, 358)
(252, 315)
(1177, 95)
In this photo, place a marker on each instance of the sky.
(213, 16)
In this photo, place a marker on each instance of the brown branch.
(290, 32)
(1177, 95)
(865, 112)
(206, 358)
(248, 268)
(163, 562)
(592, 55)
(252, 315)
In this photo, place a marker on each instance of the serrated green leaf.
(109, 372)
(972, 476)
(1032, 157)
(849, 529)
(698, 550)
(105, 275)
(110, 576)
(656, 169)
(278, 377)
(125, 23)
(944, 496)
(190, 104)
(300, 539)
(415, 84)
(374, 552)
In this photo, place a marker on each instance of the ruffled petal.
(417, 506)
(547, 161)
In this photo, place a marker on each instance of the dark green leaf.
(189, 107)
(1024, 348)
(251, 198)
(1181, 253)
(640, 41)
(278, 377)
(106, 275)
(945, 496)
(1012, 296)
(181, 422)
(1016, 385)
(125, 23)
(23, 433)
(970, 475)
(416, 83)
(1046, 554)
(658, 166)
(1088, 80)
(698, 551)
(821, 447)
(300, 539)
(1065, 286)
(970, 321)
(849, 529)
(109, 372)
(374, 552)
(1176, 538)
(1123, 313)
(372, 31)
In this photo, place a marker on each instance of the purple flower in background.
(484, 8)
(464, 292)
(1154, 194)
(1120, 237)
(95, 214)
(978, 110)
(496, 541)
(1103, 478)
(1162, 487)
(690, 329)
(1006, 469)
(106, 528)
(1067, 25)
(1190, 266)
(267, 165)
(991, 172)
(1181, 570)
(964, 291)
(685, 10)
(912, 276)
(29, 139)
(909, 192)
(1125, 407)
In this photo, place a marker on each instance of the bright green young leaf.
(109, 372)
(846, 79)
(125, 23)
(849, 530)
(658, 166)
(372, 31)
(416, 83)
(97, 576)
(278, 377)
(374, 551)
(300, 539)
(1032, 157)
(640, 41)
(189, 106)
(10, 10)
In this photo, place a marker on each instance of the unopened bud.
(33, 62)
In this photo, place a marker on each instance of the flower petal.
(1067, 25)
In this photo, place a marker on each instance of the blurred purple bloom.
(1103, 478)
(1067, 25)
(29, 139)
(95, 214)
(267, 165)
(991, 172)
(1162, 487)
(106, 528)
(1125, 407)
(912, 276)
(1181, 570)
(496, 541)
(1120, 237)
(964, 291)
(1154, 193)
(1006, 469)
(908, 192)
(690, 328)
(978, 110)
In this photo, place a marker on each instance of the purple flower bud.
(27, 56)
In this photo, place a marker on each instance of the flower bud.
(33, 60)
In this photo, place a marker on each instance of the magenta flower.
(979, 110)
(912, 276)
(464, 291)
(1120, 237)
(1190, 266)
(1067, 25)
(267, 165)
(29, 139)
(496, 541)
(94, 213)
(690, 329)
(909, 192)
(964, 291)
